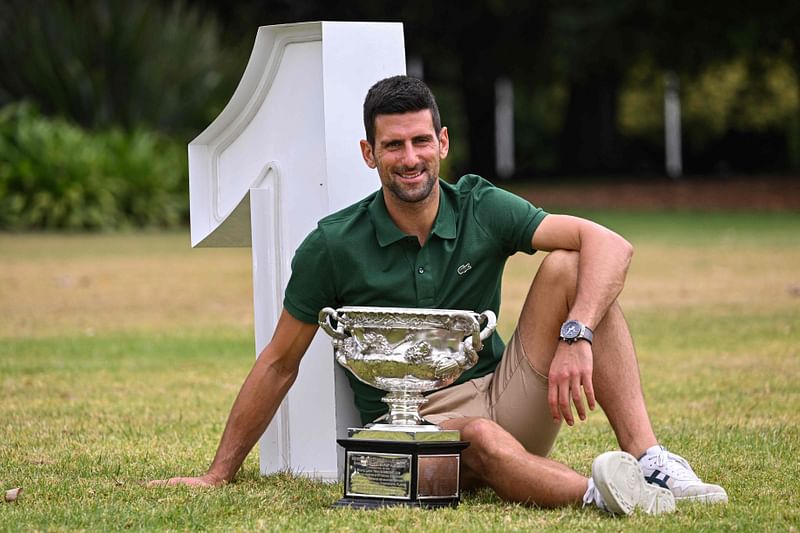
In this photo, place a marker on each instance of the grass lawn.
(120, 356)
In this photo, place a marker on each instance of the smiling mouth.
(410, 174)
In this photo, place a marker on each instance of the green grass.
(699, 228)
(93, 407)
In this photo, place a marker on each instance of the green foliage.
(170, 65)
(55, 175)
(147, 63)
(539, 115)
(753, 95)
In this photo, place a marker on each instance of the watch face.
(570, 329)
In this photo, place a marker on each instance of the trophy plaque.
(401, 459)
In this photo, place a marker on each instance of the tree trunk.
(479, 105)
(589, 139)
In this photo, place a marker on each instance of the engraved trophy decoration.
(402, 459)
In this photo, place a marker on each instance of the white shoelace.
(674, 465)
(593, 497)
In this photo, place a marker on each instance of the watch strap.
(585, 332)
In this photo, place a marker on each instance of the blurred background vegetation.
(98, 98)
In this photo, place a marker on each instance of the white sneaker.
(672, 472)
(617, 486)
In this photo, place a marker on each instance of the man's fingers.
(588, 389)
(575, 389)
(171, 482)
(552, 400)
(174, 481)
(563, 403)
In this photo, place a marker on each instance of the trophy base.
(377, 503)
(381, 473)
(394, 433)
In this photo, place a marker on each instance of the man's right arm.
(269, 380)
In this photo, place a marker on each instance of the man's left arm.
(603, 263)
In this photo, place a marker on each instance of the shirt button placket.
(424, 280)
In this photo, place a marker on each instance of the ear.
(444, 143)
(367, 154)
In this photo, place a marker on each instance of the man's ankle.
(638, 447)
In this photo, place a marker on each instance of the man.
(420, 242)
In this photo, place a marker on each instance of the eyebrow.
(416, 138)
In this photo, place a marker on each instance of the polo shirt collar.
(387, 232)
(445, 224)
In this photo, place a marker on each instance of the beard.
(412, 193)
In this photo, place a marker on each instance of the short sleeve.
(510, 219)
(311, 285)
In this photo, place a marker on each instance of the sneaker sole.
(714, 497)
(619, 478)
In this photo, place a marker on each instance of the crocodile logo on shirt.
(463, 269)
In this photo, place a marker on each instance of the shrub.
(148, 63)
(55, 175)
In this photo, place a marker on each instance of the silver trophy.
(407, 352)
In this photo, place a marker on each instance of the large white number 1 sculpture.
(281, 155)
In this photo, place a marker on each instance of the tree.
(143, 63)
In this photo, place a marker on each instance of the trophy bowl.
(406, 351)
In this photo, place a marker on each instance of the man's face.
(406, 154)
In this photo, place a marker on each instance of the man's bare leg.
(616, 372)
(496, 459)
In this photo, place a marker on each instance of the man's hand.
(207, 480)
(570, 370)
(271, 376)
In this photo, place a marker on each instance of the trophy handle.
(479, 336)
(491, 323)
(324, 320)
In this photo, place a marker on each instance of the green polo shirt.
(358, 256)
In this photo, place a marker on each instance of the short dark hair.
(398, 94)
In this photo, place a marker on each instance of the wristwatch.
(572, 330)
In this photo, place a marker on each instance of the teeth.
(407, 175)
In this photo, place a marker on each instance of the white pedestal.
(282, 154)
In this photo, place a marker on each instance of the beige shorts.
(514, 396)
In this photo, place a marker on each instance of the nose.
(409, 156)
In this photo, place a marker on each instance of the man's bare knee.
(488, 441)
(553, 289)
(560, 266)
